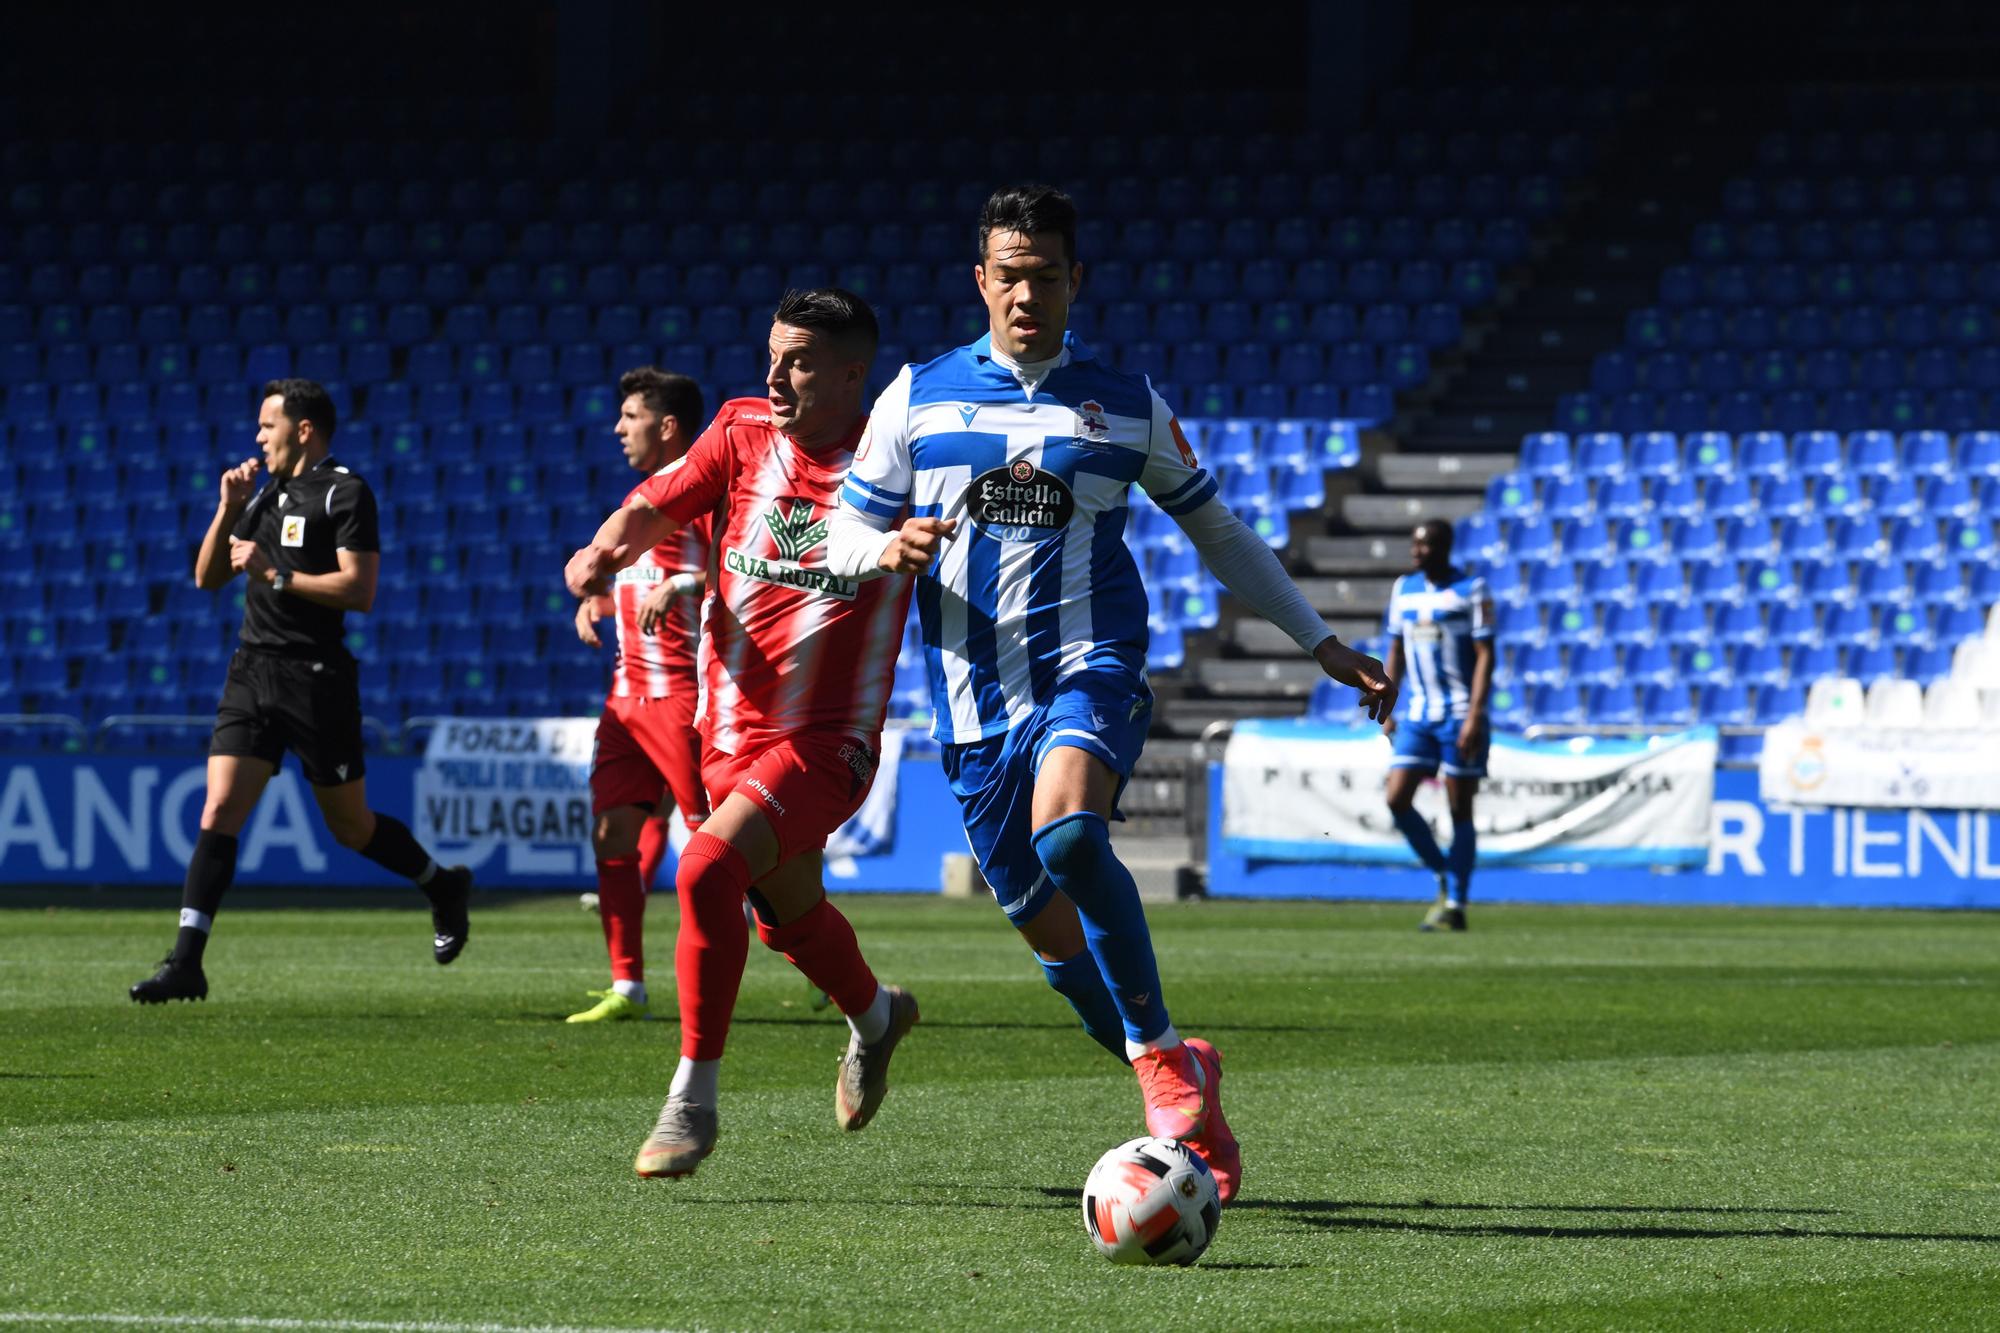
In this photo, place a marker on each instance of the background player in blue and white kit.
(1440, 625)
(999, 473)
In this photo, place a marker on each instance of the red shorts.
(647, 748)
(807, 784)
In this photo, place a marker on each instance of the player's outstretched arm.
(620, 540)
(1364, 673)
(212, 568)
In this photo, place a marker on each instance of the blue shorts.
(1427, 745)
(1105, 714)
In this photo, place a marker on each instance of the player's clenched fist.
(589, 571)
(238, 482)
(1364, 673)
(916, 544)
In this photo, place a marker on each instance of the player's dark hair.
(1030, 210)
(667, 393)
(833, 312)
(1442, 534)
(305, 400)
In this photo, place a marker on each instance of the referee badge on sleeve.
(294, 531)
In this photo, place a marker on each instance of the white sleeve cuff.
(854, 548)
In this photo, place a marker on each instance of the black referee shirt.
(302, 524)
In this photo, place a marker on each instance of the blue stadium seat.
(1557, 704)
(1683, 625)
(1568, 498)
(1506, 581)
(1546, 454)
(1714, 581)
(1666, 705)
(1710, 453)
(1761, 665)
(1594, 664)
(1601, 455)
(1696, 538)
(1778, 703)
(1623, 497)
(1703, 665)
(1737, 624)
(1540, 664)
(1478, 536)
(1656, 454)
(1612, 704)
(1725, 704)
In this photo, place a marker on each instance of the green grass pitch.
(1567, 1118)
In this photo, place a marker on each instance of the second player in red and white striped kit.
(796, 667)
(647, 747)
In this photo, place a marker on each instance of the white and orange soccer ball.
(1151, 1201)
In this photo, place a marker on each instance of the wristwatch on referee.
(278, 580)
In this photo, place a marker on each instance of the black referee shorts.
(273, 704)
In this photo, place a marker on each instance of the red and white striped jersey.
(786, 644)
(663, 663)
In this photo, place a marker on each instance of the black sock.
(210, 869)
(397, 851)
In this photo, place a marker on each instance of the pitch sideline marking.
(301, 1325)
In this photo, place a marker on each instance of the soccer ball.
(1151, 1201)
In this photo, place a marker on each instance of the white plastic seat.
(1952, 705)
(1972, 663)
(1894, 702)
(1834, 701)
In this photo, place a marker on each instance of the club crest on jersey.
(794, 531)
(293, 533)
(1090, 423)
(1019, 503)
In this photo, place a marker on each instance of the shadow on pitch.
(1637, 1232)
(1430, 1205)
(1330, 1214)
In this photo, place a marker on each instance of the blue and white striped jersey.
(1438, 623)
(1037, 583)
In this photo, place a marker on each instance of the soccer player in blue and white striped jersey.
(999, 474)
(1440, 626)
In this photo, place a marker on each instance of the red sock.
(713, 944)
(652, 851)
(621, 906)
(821, 944)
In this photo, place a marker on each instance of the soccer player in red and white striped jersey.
(647, 746)
(796, 667)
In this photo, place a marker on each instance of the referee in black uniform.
(309, 545)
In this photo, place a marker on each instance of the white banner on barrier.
(1300, 791)
(521, 786)
(1879, 768)
(518, 784)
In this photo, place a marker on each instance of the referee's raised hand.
(239, 482)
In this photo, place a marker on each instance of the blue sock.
(1076, 851)
(1464, 850)
(1418, 831)
(1079, 981)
